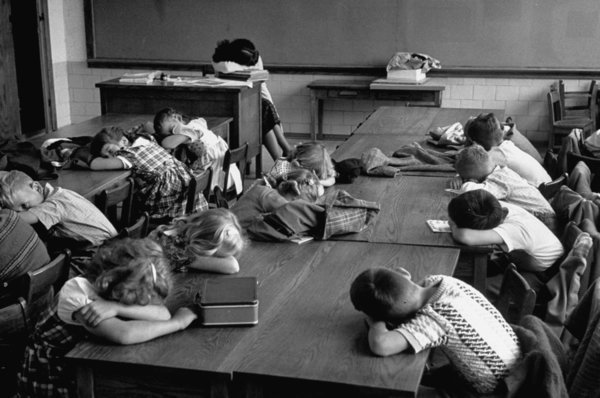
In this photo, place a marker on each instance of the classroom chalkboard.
(517, 34)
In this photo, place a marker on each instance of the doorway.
(34, 83)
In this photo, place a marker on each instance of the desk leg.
(85, 382)
(258, 164)
(480, 271)
(314, 115)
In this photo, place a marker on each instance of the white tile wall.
(523, 99)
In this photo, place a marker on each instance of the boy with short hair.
(63, 212)
(478, 218)
(477, 170)
(438, 311)
(487, 131)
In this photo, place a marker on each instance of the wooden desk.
(417, 121)
(303, 295)
(412, 94)
(88, 183)
(240, 103)
(406, 203)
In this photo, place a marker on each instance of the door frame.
(46, 65)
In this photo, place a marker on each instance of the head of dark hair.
(476, 209)
(240, 51)
(130, 271)
(485, 130)
(377, 292)
(108, 135)
(161, 117)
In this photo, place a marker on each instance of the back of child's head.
(381, 292)
(240, 51)
(214, 232)
(313, 156)
(11, 182)
(162, 117)
(477, 209)
(485, 130)
(299, 184)
(130, 271)
(108, 135)
(473, 163)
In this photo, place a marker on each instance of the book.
(229, 301)
(140, 77)
(439, 225)
(408, 75)
(302, 239)
(392, 84)
(252, 75)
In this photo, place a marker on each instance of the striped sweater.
(472, 333)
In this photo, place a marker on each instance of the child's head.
(299, 184)
(108, 141)
(476, 209)
(313, 156)
(214, 232)
(240, 51)
(473, 163)
(384, 295)
(165, 121)
(19, 192)
(485, 130)
(130, 271)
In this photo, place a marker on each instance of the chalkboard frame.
(491, 72)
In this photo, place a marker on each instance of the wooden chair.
(109, 200)
(238, 156)
(50, 277)
(585, 101)
(560, 126)
(549, 189)
(200, 183)
(138, 230)
(516, 298)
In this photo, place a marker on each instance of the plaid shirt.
(346, 214)
(162, 180)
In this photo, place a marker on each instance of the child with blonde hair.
(207, 241)
(312, 156)
(161, 180)
(64, 213)
(119, 300)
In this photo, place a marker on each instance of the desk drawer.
(411, 96)
(349, 93)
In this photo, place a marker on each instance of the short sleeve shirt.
(76, 293)
(507, 154)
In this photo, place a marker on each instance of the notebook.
(439, 225)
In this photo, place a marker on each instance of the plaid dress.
(44, 372)
(161, 179)
(173, 246)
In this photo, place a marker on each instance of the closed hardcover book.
(245, 75)
(229, 301)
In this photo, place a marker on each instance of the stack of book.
(141, 77)
(250, 75)
(395, 77)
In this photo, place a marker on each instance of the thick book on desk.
(251, 75)
(229, 301)
(141, 77)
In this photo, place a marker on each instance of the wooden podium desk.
(412, 94)
(240, 103)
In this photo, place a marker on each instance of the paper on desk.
(208, 82)
(439, 225)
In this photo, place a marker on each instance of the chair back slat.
(549, 189)
(51, 276)
(109, 199)
(238, 156)
(517, 298)
(199, 184)
(138, 230)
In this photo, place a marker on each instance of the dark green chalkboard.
(517, 34)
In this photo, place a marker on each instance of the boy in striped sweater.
(438, 311)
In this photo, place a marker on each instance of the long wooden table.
(88, 183)
(426, 94)
(238, 102)
(309, 336)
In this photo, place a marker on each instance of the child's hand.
(97, 311)
(184, 316)
(455, 183)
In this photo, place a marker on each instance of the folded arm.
(106, 164)
(475, 237)
(384, 342)
(223, 265)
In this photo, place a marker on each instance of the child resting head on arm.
(210, 240)
(311, 156)
(119, 299)
(438, 311)
(478, 218)
(487, 131)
